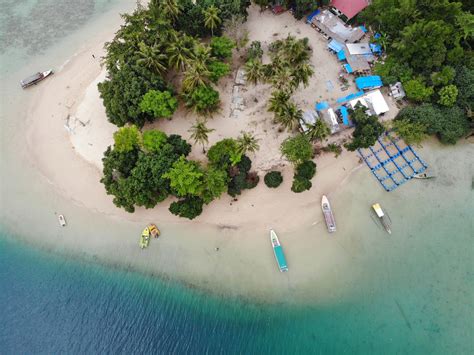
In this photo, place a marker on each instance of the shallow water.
(409, 292)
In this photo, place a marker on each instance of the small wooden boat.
(154, 231)
(383, 217)
(278, 251)
(328, 215)
(62, 220)
(35, 78)
(145, 238)
(423, 176)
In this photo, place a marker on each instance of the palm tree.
(317, 131)
(254, 71)
(211, 18)
(247, 143)
(199, 132)
(151, 57)
(196, 75)
(170, 8)
(290, 116)
(282, 78)
(180, 51)
(278, 101)
(302, 73)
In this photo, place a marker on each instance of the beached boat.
(154, 231)
(145, 238)
(278, 251)
(35, 78)
(328, 215)
(383, 217)
(62, 220)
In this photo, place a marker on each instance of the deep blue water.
(53, 305)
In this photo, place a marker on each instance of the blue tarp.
(349, 97)
(348, 68)
(345, 115)
(377, 35)
(376, 48)
(369, 82)
(311, 15)
(322, 105)
(335, 46)
(363, 28)
(341, 55)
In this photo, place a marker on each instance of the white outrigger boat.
(62, 220)
(35, 78)
(328, 215)
(383, 217)
(278, 251)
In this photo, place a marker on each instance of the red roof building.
(350, 8)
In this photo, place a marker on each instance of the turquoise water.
(412, 292)
(54, 305)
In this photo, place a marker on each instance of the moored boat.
(328, 215)
(383, 217)
(62, 220)
(154, 231)
(145, 238)
(278, 251)
(423, 176)
(35, 78)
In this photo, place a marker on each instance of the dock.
(392, 161)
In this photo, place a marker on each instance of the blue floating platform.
(392, 161)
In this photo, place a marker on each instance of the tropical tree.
(180, 51)
(170, 8)
(417, 91)
(448, 95)
(297, 149)
(152, 57)
(368, 129)
(203, 99)
(278, 100)
(186, 177)
(302, 73)
(153, 140)
(215, 184)
(199, 133)
(197, 74)
(247, 143)
(411, 132)
(159, 103)
(317, 131)
(217, 70)
(254, 71)
(290, 116)
(211, 18)
(221, 47)
(127, 139)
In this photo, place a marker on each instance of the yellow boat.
(383, 217)
(145, 238)
(154, 231)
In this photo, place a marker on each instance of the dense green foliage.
(190, 207)
(273, 179)
(429, 49)
(218, 70)
(204, 99)
(221, 47)
(127, 139)
(306, 169)
(318, 131)
(411, 132)
(153, 140)
(215, 184)
(220, 154)
(300, 184)
(297, 149)
(186, 177)
(161, 104)
(367, 129)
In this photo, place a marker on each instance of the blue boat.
(278, 251)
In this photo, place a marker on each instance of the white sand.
(71, 161)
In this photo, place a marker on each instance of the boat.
(278, 251)
(62, 220)
(328, 215)
(383, 217)
(145, 238)
(35, 78)
(423, 176)
(154, 231)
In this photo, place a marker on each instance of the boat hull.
(328, 215)
(35, 79)
(278, 252)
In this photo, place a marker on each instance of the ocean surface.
(412, 292)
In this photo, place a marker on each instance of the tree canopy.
(297, 149)
(367, 129)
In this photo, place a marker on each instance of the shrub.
(190, 207)
(204, 99)
(300, 184)
(306, 169)
(448, 95)
(218, 70)
(153, 140)
(127, 139)
(273, 179)
(417, 91)
(219, 154)
(180, 146)
(255, 51)
(221, 47)
(297, 149)
(161, 104)
(251, 180)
